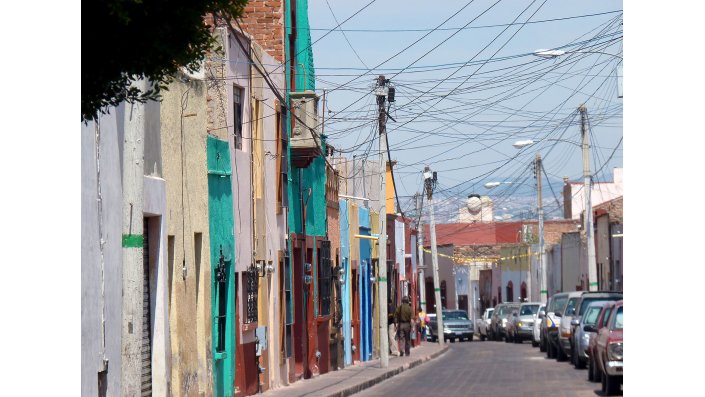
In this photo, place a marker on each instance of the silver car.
(456, 325)
(581, 337)
(520, 326)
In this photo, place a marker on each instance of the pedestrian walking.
(402, 317)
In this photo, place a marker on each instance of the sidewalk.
(356, 378)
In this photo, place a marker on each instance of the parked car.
(577, 355)
(500, 316)
(484, 324)
(538, 318)
(520, 326)
(593, 371)
(581, 336)
(551, 322)
(565, 330)
(609, 350)
(456, 325)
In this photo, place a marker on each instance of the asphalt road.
(490, 369)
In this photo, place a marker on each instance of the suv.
(456, 325)
(521, 323)
(577, 355)
(550, 323)
(565, 330)
(498, 325)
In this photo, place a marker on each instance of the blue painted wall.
(365, 286)
(346, 298)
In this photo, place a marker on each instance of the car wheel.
(603, 380)
(591, 374)
(534, 343)
(542, 345)
(550, 350)
(483, 337)
(470, 338)
(517, 339)
(452, 340)
(561, 356)
(612, 384)
(580, 363)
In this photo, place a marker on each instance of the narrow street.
(488, 368)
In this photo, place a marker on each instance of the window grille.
(237, 116)
(251, 283)
(324, 277)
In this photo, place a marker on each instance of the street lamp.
(492, 185)
(544, 53)
(543, 290)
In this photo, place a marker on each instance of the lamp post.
(430, 180)
(543, 288)
(544, 53)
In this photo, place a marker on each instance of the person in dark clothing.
(403, 316)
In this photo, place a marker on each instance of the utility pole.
(133, 243)
(430, 180)
(421, 267)
(587, 186)
(543, 285)
(381, 93)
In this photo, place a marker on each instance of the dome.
(474, 204)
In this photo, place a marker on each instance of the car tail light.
(614, 351)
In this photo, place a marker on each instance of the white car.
(538, 317)
(484, 323)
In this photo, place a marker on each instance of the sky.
(463, 96)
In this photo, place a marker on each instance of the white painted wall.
(101, 265)
(600, 193)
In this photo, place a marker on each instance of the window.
(289, 315)
(324, 278)
(170, 254)
(283, 165)
(221, 276)
(617, 320)
(237, 116)
(197, 247)
(251, 282)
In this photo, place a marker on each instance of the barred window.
(251, 283)
(324, 277)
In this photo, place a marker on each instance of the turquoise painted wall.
(347, 298)
(312, 177)
(365, 285)
(305, 73)
(222, 240)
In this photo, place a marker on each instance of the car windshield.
(557, 304)
(587, 301)
(459, 315)
(504, 310)
(489, 313)
(617, 321)
(529, 310)
(570, 306)
(590, 317)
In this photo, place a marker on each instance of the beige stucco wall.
(183, 125)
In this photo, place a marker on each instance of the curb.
(378, 379)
